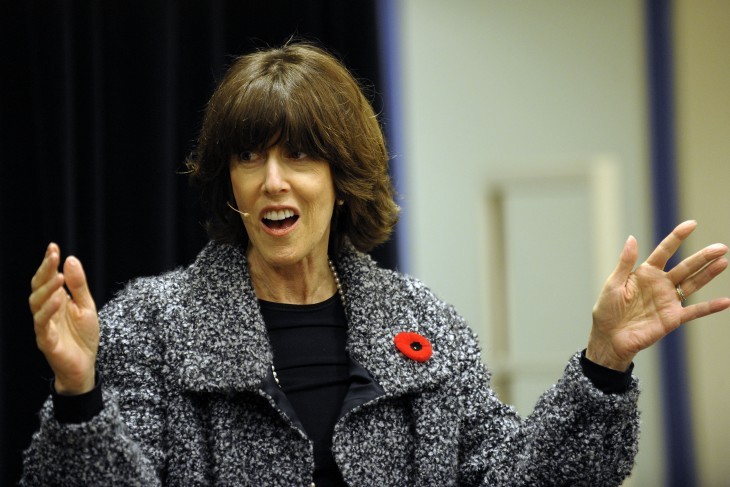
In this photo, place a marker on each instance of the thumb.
(626, 262)
(76, 282)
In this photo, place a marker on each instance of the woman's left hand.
(638, 307)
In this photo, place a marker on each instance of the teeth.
(278, 215)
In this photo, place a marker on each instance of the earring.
(340, 202)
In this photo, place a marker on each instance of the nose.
(275, 180)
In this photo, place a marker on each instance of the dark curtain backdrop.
(100, 103)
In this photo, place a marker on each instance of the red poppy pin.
(414, 346)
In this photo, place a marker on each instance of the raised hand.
(66, 326)
(638, 307)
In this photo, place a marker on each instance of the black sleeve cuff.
(607, 380)
(77, 409)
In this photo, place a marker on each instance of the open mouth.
(279, 219)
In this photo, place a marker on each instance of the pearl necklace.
(337, 282)
(342, 299)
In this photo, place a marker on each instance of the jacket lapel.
(381, 304)
(219, 341)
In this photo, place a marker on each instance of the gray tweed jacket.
(185, 361)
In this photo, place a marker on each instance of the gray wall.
(527, 168)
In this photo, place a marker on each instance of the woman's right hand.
(66, 327)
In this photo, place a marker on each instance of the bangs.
(269, 112)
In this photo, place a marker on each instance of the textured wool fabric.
(186, 365)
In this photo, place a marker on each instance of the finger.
(53, 247)
(53, 304)
(697, 281)
(705, 308)
(696, 262)
(667, 247)
(76, 283)
(626, 262)
(48, 267)
(43, 293)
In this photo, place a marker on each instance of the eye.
(246, 156)
(297, 155)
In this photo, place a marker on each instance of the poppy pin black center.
(416, 346)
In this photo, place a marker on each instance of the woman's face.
(289, 197)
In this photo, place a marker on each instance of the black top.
(313, 370)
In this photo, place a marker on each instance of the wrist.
(71, 387)
(600, 353)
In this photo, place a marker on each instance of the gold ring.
(680, 293)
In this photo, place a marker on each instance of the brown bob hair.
(304, 97)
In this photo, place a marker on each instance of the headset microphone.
(245, 215)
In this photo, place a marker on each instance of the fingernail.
(72, 261)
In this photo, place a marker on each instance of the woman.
(285, 356)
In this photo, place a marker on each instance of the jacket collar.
(217, 340)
